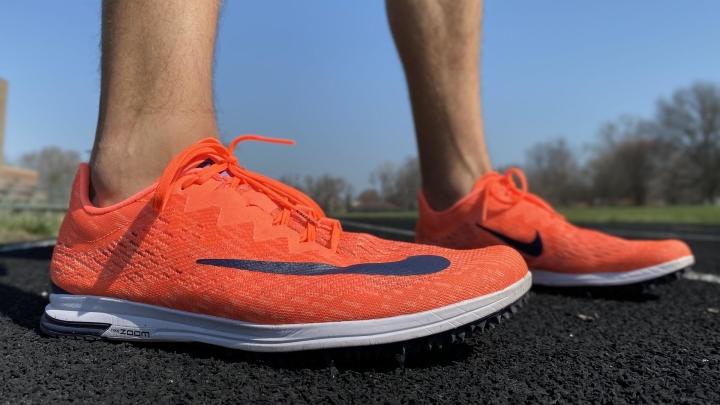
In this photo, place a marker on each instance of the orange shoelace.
(503, 188)
(187, 169)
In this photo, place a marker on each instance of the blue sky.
(325, 73)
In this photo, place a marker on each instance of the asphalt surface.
(610, 346)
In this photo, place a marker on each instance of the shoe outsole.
(418, 347)
(648, 275)
(638, 290)
(668, 278)
(458, 335)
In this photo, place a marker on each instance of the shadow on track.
(36, 253)
(22, 307)
(625, 293)
(385, 358)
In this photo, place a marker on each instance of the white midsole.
(550, 278)
(134, 321)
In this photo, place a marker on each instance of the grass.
(678, 214)
(26, 226)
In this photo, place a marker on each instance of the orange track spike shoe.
(558, 253)
(215, 253)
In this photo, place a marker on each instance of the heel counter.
(79, 194)
(66, 233)
(88, 233)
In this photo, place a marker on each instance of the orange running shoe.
(218, 254)
(558, 253)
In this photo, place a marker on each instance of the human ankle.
(127, 159)
(442, 192)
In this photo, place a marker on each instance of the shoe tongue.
(252, 197)
(297, 221)
(299, 224)
(209, 162)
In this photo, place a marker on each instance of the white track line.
(706, 277)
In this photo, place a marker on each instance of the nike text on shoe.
(498, 211)
(215, 253)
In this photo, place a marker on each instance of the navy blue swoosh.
(410, 266)
(533, 248)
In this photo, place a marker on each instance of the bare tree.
(383, 179)
(407, 184)
(625, 161)
(690, 119)
(370, 200)
(398, 185)
(675, 178)
(553, 171)
(56, 168)
(369, 197)
(331, 193)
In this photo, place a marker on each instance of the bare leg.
(439, 45)
(156, 92)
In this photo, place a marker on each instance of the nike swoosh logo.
(533, 248)
(410, 266)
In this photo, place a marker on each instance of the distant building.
(16, 184)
